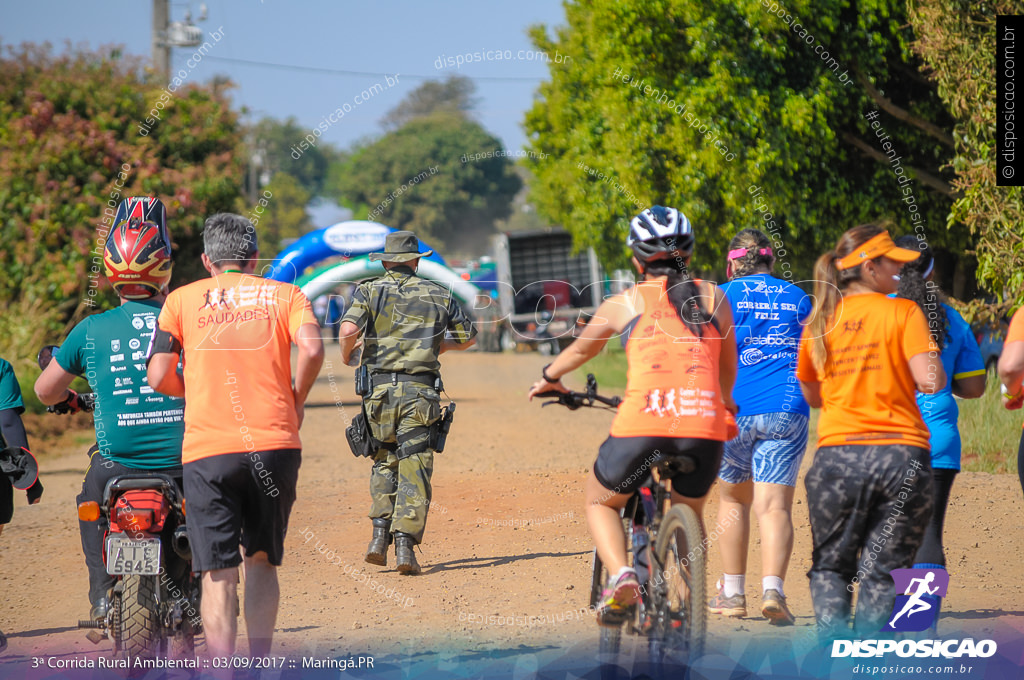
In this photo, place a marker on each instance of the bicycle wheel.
(598, 577)
(679, 607)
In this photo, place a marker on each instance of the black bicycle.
(665, 544)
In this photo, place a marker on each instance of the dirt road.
(506, 553)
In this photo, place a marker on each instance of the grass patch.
(989, 432)
(609, 367)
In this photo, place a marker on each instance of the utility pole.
(161, 46)
(168, 34)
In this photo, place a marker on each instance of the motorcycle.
(154, 604)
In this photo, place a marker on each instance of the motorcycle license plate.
(133, 556)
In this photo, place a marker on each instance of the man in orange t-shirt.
(243, 410)
(1011, 375)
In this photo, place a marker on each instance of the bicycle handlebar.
(573, 400)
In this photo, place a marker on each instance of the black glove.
(34, 492)
(69, 405)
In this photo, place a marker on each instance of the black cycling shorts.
(624, 463)
(239, 499)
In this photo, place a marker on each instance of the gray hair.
(229, 239)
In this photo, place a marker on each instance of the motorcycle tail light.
(141, 510)
(89, 511)
(134, 520)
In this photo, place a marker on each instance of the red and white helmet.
(137, 258)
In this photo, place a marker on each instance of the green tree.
(957, 41)
(453, 95)
(78, 133)
(441, 176)
(699, 105)
(279, 142)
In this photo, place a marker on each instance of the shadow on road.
(40, 632)
(978, 614)
(487, 654)
(481, 562)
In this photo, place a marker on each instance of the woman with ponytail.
(965, 373)
(862, 359)
(760, 466)
(681, 356)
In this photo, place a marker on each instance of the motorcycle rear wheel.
(138, 621)
(115, 619)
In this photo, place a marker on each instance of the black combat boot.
(377, 552)
(407, 564)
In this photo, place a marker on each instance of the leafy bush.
(73, 144)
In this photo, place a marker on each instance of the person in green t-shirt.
(12, 433)
(137, 428)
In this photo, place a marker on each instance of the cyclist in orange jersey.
(1011, 375)
(681, 354)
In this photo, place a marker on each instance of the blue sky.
(384, 37)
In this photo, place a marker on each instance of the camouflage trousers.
(869, 507)
(400, 480)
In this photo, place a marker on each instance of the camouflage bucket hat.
(400, 246)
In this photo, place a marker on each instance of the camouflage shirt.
(404, 319)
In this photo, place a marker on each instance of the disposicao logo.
(918, 592)
(916, 609)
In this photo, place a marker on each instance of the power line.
(341, 72)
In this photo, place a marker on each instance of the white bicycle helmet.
(659, 232)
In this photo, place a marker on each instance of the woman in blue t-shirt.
(759, 467)
(965, 369)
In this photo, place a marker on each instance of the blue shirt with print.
(768, 314)
(961, 358)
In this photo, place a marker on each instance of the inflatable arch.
(352, 239)
(324, 279)
(347, 239)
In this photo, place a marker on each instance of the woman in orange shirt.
(681, 355)
(869, 491)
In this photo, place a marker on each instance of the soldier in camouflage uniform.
(403, 320)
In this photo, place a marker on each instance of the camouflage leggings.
(400, 481)
(869, 507)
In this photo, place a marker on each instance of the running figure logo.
(917, 600)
